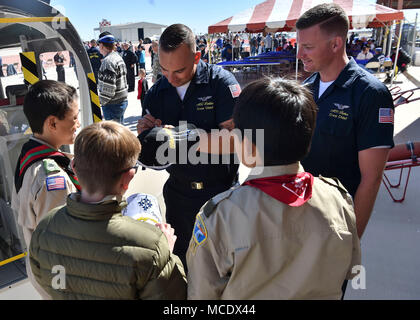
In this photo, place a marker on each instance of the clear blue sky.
(85, 15)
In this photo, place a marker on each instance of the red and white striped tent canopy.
(281, 15)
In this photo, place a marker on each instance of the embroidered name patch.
(386, 115)
(200, 231)
(235, 89)
(56, 183)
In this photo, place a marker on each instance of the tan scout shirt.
(248, 245)
(34, 201)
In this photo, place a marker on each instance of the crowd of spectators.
(239, 47)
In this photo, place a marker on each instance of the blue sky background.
(85, 15)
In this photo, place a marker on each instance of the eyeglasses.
(135, 167)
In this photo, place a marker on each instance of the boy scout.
(283, 234)
(104, 254)
(43, 177)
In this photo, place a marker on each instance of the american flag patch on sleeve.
(235, 89)
(386, 115)
(56, 183)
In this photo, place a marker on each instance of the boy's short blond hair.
(142, 71)
(102, 152)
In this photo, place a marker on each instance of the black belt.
(199, 184)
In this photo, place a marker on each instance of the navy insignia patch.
(200, 231)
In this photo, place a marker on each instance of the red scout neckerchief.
(293, 190)
(33, 151)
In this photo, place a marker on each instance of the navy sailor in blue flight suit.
(355, 122)
(200, 94)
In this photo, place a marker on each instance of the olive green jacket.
(91, 251)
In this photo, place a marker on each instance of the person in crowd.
(60, 61)
(112, 80)
(43, 177)
(378, 57)
(278, 206)
(202, 95)
(371, 45)
(355, 123)
(95, 58)
(261, 48)
(142, 87)
(103, 253)
(227, 52)
(219, 43)
(1, 67)
(236, 47)
(365, 54)
(152, 54)
(142, 58)
(119, 49)
(204, 53)
(140, 54)
(268, 43)
(254, 46)
(72, 62)
(403, 59)
(130, 60)
(275, 42)
(43, 62)
(156, 70)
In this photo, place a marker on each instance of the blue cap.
(107, 39)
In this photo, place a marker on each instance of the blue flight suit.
(355, 113)
(95, 58)
(208, 102)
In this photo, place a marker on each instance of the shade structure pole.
(390, 40)
(384, 45)
(413, 43)
(397, 52)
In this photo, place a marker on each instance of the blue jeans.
(115, 111)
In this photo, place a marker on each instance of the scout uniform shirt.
(45, 186)
(248, 245)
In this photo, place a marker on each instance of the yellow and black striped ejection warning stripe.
(95, 103)
(29, 68)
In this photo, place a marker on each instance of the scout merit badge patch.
(235, 89)
(56, 183)
(200, 231)
(386, 115)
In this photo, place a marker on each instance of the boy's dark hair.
(47, 98)
(176, 35)
(332, 19)
(285, 110)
